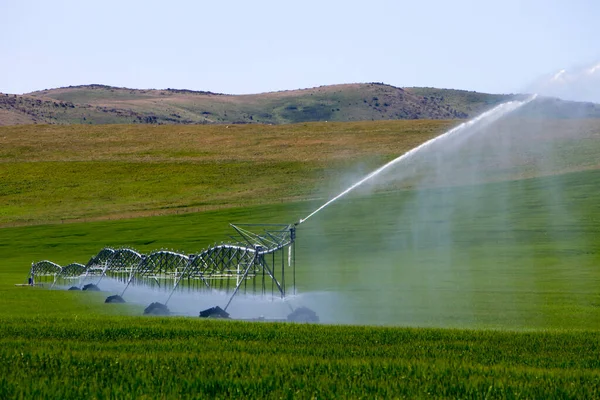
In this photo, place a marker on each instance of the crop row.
(125, 357)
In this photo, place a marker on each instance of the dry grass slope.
(100, 104)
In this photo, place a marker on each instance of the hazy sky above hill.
(240, 46)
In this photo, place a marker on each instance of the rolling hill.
(99, 104)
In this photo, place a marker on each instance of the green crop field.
(125, 357)
(483, 267)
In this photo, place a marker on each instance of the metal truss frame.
(257, 260)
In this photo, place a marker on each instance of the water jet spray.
(487, 117)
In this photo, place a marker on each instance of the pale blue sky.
(256, 46)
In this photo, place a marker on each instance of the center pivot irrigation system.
(259, 260)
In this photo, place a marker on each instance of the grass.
(114, 171)
(83, 190)
(214, 143)
(68, 346)
(386, 260)
(66, 173)
(509, 252)
(149, 358)
(444, 246)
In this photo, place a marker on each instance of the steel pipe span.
(253, 262)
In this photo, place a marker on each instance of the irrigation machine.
(258, 260)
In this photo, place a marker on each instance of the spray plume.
(492, 114)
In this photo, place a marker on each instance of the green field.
(459, 267)
(65, 173)
(117, 357)
(498, 246)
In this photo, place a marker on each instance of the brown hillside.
(100, 104)
(347, 102)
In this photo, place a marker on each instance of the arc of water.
(495, 112)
